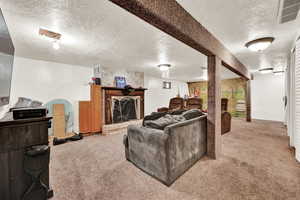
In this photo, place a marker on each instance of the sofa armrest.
(147, 150)
(187, 144)
(153, 137)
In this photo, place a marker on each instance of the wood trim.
(96, 108)
(49, 34)
(214, 142)
(248, 101)
(171, 18)
(12, 122)
(84, 116)
(115, 88)
(90, 112)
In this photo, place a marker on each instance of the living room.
(136, 107)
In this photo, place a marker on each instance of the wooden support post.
(248, 101)
(214, 107)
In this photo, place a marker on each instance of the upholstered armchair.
(194, 103)
(176, 103)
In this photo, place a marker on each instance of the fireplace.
(120, 105)
(125, 108)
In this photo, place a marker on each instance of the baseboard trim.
(267, 120)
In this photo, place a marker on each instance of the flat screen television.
(7, 51)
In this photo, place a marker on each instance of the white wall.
(267, 92)
(45, 81)
(156, 96)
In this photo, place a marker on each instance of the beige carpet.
(256, 164)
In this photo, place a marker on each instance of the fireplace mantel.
(116, 88)
(109, 92)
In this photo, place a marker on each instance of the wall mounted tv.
(7, 51)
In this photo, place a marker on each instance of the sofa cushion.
(191, 114)
(164, 121)
(177, 112)
(154, 116)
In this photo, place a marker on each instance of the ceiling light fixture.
(260, 44)
(266, 70)
(164, 67)
(52, 35)
(204, 77)
(56, 45)
(277, 73)
(204, 74)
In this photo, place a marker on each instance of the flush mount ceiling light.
(278, 72)
(164, 67)
(52, 35)
(266, 70)
(56, 45)
(204, 77)
(260, 44)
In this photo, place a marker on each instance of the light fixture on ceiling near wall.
(52, 35)
(278, 73)
(204, 74)
(56, 45)
(266, 70)
(260, 44)
(164, 67)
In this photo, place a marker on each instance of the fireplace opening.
(125, 108)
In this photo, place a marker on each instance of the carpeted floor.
(256, 164)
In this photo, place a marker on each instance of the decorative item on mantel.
(96, 81)
(120, 81)
(128, 90)
(97, 74)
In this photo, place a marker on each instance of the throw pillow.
(177, 112)
(153, 116)
(164, 121)
(191, 114)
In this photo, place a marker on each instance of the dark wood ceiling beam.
(171, 18)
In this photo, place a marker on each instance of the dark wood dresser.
(15, 137)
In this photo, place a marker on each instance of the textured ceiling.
(236, 22)
(99, 32)
(3, 28)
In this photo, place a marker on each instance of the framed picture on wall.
(120, 81)
(166, 85)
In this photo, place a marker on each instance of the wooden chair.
(176, 103)
(224, 104)
(225, 122)
(194, 103)
(226, 117)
